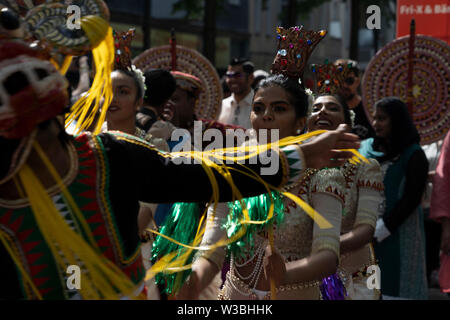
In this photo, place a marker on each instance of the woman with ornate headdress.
(67, 209)
(305, 249)
(128, 84)
(363, 192)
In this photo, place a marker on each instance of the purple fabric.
(332, 288)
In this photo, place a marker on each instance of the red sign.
(432, 18)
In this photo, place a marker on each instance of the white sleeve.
(214, 233)
(329, 207)
(369, 206)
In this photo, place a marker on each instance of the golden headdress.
(295, 46)
(329, 78)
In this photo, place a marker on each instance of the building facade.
(154, 19)
(246, 28)
(334, 16)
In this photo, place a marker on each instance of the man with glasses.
(349, 92)
(236, 108)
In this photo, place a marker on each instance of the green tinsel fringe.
(181, 224)
(258, 209)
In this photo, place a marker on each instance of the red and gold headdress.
(295, 46)
(122, 43)
(122, 60)
(184, 80)
(329, 78)
(188, 82)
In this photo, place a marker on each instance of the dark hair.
(160, 86)
(247, 66)
(296, 94)
(403, 131)
(8, 147)
(133, 76)
(343, 103)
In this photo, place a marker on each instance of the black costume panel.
(142, 173)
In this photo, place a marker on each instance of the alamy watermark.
(73, 21)
(74, 277)
(233, 138)
(374, 280)
(374, 21)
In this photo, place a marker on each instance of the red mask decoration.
(31, 89)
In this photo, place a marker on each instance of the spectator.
(236, 108)
(160, 87)
(432, 228)
(440, 210)
(354, 101)
(225, 90)
(399, 233)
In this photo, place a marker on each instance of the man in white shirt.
(236, 108)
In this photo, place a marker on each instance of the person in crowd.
(349, 90)
(440, 211)
(363, 196)
(236, 108)
(302, 259)
(432, 228)
(128, 87)
(160, 85)
(299, 260)
(399, 234)
(79, 77)
(225, 89)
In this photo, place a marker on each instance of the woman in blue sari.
(399, 235)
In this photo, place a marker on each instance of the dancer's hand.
(189, 290)
(162, 129)
(274, 267)
(323, 151)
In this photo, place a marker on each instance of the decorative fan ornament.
(387, 75)
(191, 62)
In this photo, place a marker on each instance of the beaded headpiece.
(329, 78)
(188, 82)
(122, 42)
(295, 46)
(122, 60)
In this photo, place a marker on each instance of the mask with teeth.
(31, 90)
